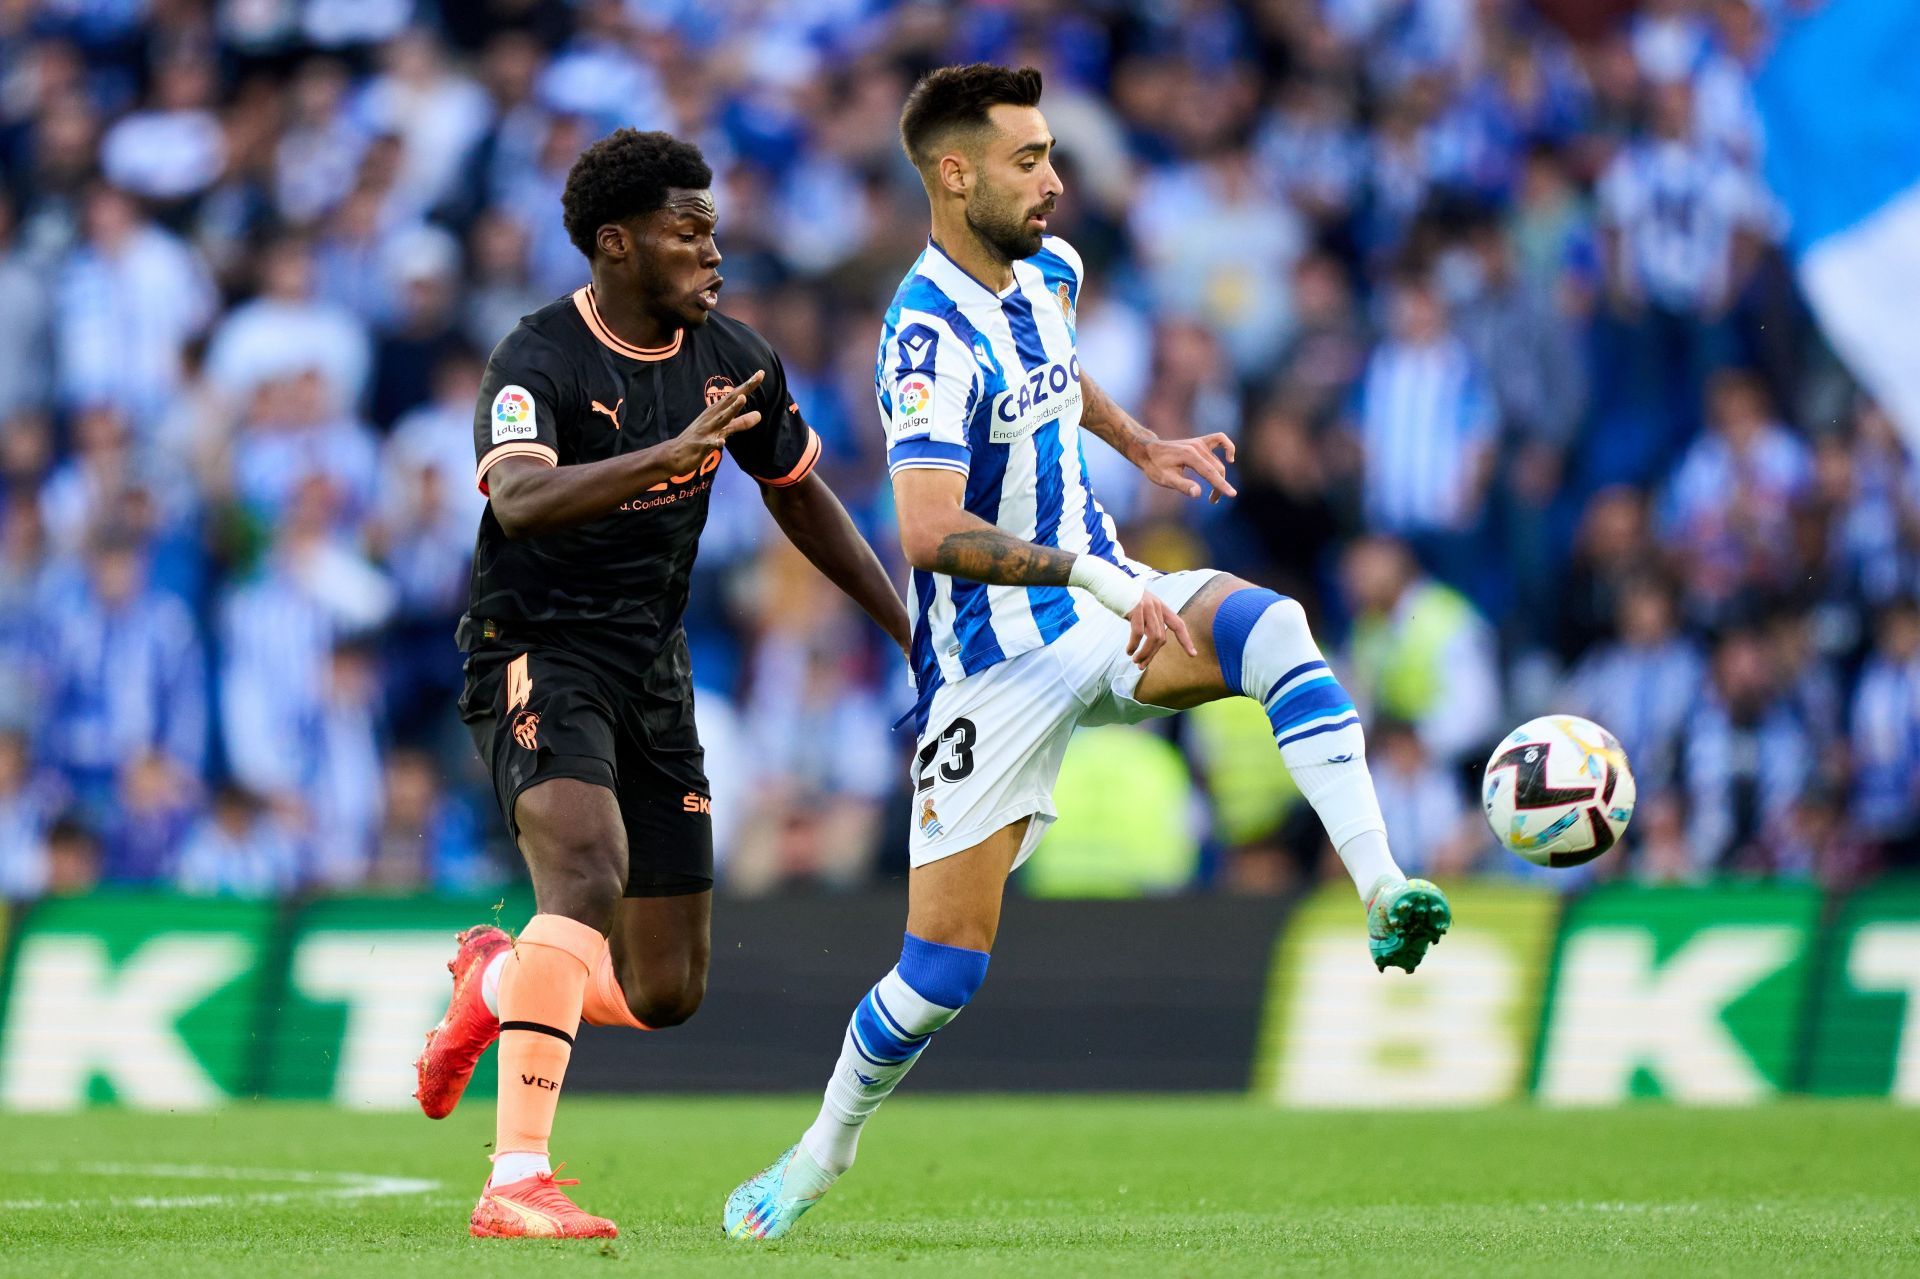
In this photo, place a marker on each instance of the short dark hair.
(959, 98)
(624, 175)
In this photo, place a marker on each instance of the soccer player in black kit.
(599, 427)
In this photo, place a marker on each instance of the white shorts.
(994, 741)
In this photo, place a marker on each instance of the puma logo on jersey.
(613, 413)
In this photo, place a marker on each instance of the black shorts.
(571, 702)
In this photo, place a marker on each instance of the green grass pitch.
(988, 1186)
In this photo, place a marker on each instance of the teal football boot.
(1404, 917)
(766, 1206)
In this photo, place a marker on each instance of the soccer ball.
(1558, 791)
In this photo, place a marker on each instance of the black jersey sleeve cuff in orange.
(809, 456)
(519, 448)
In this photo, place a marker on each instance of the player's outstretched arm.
(811, 516)
(530, 498)
(1165, 462)
(939, 535)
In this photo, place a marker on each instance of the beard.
(1002, 225)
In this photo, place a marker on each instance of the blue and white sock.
(890, 1028)
(1267, 652)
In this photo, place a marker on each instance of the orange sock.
(606, 1003)
(541, 989)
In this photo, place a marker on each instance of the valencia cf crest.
(1065, 296)
(526, 730)
(719, 387)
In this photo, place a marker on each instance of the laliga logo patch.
(1065, 296)
(912, 396)
(513, 415)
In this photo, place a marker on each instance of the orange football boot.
(535, 1208)
(454, 1046)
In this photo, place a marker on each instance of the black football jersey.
(563, 389)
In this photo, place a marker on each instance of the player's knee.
(659, 1008)
(1251, 611)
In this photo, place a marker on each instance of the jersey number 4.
(960, 736)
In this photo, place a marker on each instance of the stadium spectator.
(174, 149)
(29, 805)
(125, 673)
(1436, 831)
(26, 346)
(1747, 761)
(287, 329)
(1728, 505)
(427, 838)
(1612, 547)
(239, 849)
(1426, 420)
(1419, 652)
(814, 814)
(277, 633)
(1642, 684)
(1886, 735)
(157, 803)
(1328, 348)
(1681, 228)
(318, 155)
(129, 298)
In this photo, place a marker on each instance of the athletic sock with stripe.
(1267, 652)
(890, 1028)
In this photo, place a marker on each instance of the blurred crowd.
(1489, 293)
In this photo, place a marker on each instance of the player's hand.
(1167, 462)
(1149, 626)
(714, 427)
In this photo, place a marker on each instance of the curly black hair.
(624, 175)
(959, 98)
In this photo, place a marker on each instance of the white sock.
(888, 1031)
(1368, 860)
(517, 1165)
(490, 981)
(1314, 723)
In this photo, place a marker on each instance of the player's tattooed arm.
(818, 525)
(986, 554)
(530, 498)
(939, 535)
(1165, 462)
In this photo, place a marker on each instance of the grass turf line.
(998, 1186)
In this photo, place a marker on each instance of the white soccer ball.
(1558, 791)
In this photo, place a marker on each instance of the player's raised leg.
(575, 847)
(953, 914)
(1255, 643)
(652, 975)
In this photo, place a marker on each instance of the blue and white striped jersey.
(988, 384)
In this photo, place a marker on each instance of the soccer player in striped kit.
(1029, 619)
